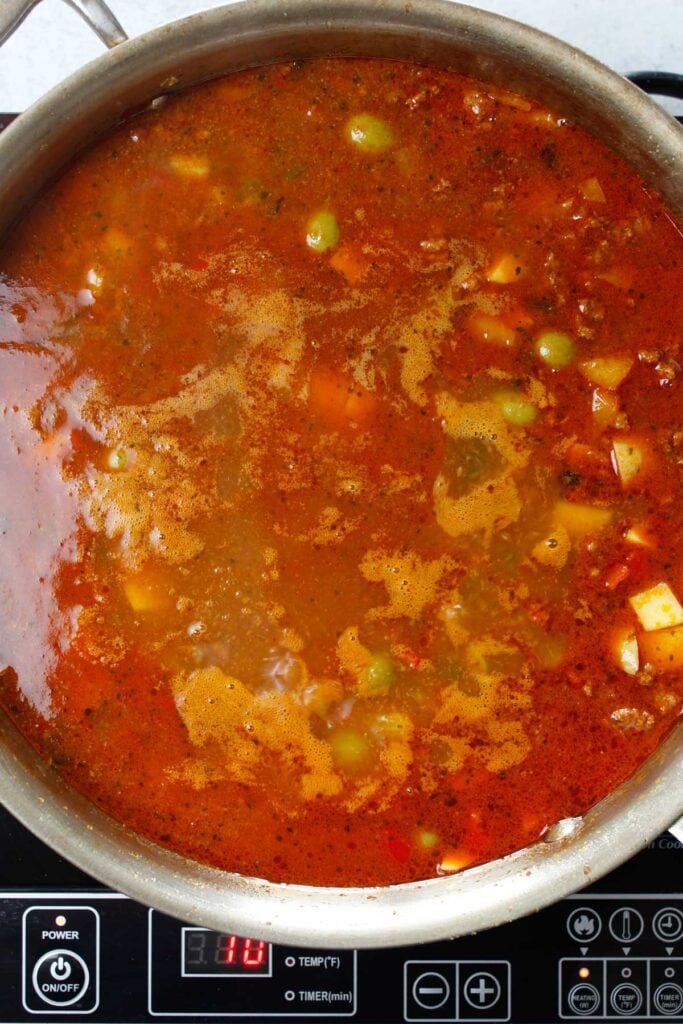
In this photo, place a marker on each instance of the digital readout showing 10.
(206, 952)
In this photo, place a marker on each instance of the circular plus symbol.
(482, 990)
(668, 924)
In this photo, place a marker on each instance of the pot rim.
(483, 896)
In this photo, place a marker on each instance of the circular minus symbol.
(290, 961)
(289, 995)
(431, 990)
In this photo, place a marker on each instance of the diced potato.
(146, 593)
(580, 519)
(625, 650)
(639, 535)
(657, 608)
(492, 329)
(664, 648)
(620, 277)
(608, 371)
(506, 270)
(628, 458)
(605, 407)
(189, 166)
(455, 860)
(591, 189)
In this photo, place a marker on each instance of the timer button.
(668, 999)
(61, 977)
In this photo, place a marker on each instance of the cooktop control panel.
(599, 956)
(72, 950)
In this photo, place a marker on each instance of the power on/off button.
(61, 959)
(61, 977)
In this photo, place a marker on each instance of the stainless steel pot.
(577, 851)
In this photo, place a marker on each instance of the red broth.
(341, 443)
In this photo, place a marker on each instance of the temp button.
(61, 977)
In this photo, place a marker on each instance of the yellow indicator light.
(584, 972)
(60, 920)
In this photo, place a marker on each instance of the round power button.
(61, 977)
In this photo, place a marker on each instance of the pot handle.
(677, 830)
(94, 12)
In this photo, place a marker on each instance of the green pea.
(322, 232)
(515, 409)
(427, 840)
(555, 348)
(369, 133)
(379, 674)
(349, 749)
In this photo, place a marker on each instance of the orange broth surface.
(341, 455)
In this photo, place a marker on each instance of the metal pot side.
(32, 151)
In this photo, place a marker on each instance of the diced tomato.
(398, 848)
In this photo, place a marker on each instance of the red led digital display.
(206, 952)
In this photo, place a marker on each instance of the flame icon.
(584, 925)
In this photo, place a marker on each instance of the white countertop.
(628, 35)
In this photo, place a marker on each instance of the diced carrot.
(616, 575)
(337, 400)
(348, 263)
(117, 241)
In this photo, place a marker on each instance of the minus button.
(431, 990)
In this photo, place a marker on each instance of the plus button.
(482, 990)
